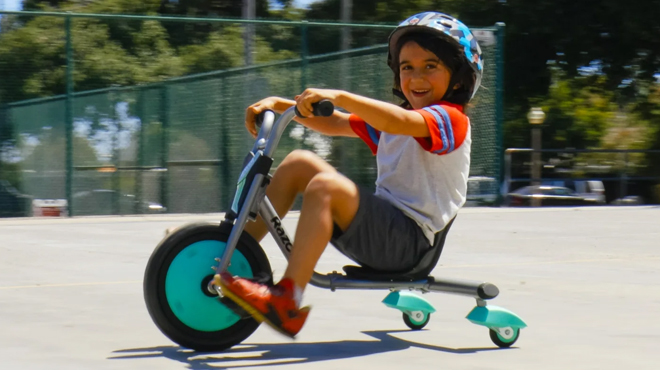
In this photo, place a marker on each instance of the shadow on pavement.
(270, 354)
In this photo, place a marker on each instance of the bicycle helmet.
(450, 29)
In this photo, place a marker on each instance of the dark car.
(548, 196)
(12, 202)
(109, 202)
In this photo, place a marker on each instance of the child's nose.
(418, 75)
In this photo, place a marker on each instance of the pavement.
(585, 280)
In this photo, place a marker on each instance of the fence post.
(624, 174)
(164, 154)
(224, 170)
(68, 113)
(116, 180)
(303, 55)
(507, 177)
(499, 105)
(140, 154)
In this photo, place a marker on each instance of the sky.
(303, 3)
(15, 4)
(10, 4)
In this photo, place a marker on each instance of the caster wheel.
(416, 320)
(504, 337)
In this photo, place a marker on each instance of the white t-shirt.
(426, 178)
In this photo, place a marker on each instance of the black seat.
(419, 272)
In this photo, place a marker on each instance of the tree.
(111, 52)
(613, 39)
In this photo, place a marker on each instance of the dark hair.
(450, 55)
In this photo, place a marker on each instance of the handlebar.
(323, 108)
(270, 131)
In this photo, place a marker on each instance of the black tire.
(413, 325)
(155, 296)
(501, 343)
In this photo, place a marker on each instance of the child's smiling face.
(424, 78)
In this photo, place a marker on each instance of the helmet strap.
(455, 77)
(399, 94)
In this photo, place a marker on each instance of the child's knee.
(299, 167)
(300, 157)
(324, 184)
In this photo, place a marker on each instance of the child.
(423, 154)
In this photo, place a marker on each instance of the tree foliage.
(585, 61)
(613, 43)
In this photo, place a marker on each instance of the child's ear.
(457, 86)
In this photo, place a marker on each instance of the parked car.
(102, 202)
(594, 189)
(549, 196)
(12, 202)
(630, 200)
(481, 191)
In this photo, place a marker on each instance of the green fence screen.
(156, 142)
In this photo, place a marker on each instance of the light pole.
(536, 118)
(248, 12)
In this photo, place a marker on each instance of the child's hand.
(308, 97)
(253, 110)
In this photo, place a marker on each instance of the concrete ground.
(586, 281)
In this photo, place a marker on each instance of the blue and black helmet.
(447, 27)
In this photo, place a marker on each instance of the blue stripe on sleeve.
(372, 134)
(443, 133)
(450, 131)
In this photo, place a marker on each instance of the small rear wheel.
(504, 337)
(176, 286)
(416, 320)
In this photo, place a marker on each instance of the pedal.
(262, 278)
(235, 308)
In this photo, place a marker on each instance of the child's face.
(424, 78)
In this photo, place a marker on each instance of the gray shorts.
(381, 236)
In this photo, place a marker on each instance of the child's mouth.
(419, 93)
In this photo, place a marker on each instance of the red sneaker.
(272, 304)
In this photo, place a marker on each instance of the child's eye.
(430, 66)
(405, 68)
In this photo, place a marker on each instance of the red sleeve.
(448, 127)
(367, 133)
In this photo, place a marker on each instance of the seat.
(420, 272)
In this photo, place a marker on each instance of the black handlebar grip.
(260, 118)
(323, 108)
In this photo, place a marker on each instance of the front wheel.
(176, 280)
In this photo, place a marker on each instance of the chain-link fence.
(132, 114)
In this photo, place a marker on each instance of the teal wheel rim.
(417, 317)
(183, 286)
(508, 340)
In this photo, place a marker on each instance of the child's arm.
(382, 116)
(335, 125)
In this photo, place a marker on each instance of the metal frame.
(257, 202)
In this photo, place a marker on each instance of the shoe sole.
(256, 314)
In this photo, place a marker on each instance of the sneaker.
(272, 304)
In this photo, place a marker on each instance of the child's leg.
(330, 198)
(291, 178)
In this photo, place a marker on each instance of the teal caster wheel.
(416, 320)
(503, 325)
(504, 337)
(416, 310)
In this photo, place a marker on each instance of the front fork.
(272, 221)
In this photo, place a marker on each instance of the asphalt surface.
(585, 280)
